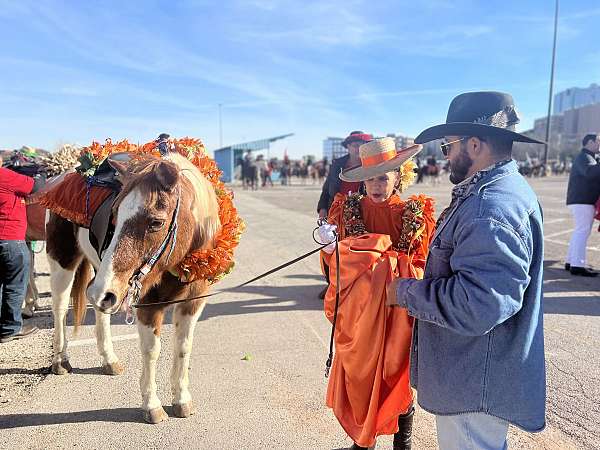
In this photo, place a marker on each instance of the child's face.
(380, 188)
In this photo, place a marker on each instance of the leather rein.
(132, 297)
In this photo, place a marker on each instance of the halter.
(135, 282)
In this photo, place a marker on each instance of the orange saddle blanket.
(73, 199)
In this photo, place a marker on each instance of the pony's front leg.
(150, 346)
(184, 318)
(110, 362)
(61, 281)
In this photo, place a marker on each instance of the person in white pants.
(582, 195)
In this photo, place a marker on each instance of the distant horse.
(430, 173)
(535, 170)
(156, 194)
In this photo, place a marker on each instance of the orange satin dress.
(369, 381)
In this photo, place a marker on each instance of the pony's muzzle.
(107, 303)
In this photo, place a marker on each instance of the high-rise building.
(567, 129)
(573, 98)
(332, 148)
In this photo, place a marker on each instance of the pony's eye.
(156, 224)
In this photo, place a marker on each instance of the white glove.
(326, 233)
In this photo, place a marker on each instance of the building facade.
(332, 148)
(576, 97)
(567, 128)
(401, 140)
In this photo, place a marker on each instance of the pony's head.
(155, 194)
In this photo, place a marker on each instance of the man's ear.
(474, 146)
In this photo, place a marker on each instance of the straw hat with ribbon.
(377, 157)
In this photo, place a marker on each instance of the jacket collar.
(589, 152)
(493, 175)
(504, 170)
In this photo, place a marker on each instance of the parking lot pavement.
(257, 367)
(571, 313)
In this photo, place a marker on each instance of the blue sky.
(77, 71)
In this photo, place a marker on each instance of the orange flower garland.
(212, 264)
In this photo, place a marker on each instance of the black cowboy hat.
(485, 114)
(357, 136)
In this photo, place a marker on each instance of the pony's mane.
(140, 175)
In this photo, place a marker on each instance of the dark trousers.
(14, 274)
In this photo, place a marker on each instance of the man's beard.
(459, 168)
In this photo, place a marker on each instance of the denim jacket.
(478, 342)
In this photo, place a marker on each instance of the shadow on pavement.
(307, 277)
(557, 281)
(9, 421)
(278, 298)
(43, 318)
(20, 371)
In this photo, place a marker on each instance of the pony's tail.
(78, 292)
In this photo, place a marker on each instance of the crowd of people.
(260, 173)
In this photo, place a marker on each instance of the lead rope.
(337, 304)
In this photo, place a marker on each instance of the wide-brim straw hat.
(378, 157)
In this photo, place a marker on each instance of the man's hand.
(391, 293)
(322, 213)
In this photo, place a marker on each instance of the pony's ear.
(167, 175)
(121, 168)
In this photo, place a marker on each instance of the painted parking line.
(578, 294)
(548, 222)
(555, 210)
(558, 234)
(566, 244)
(92, 341)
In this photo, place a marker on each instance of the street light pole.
(551, 86)
(220, 127)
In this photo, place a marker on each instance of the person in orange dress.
(380, 237)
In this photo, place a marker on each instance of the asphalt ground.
(259, 353)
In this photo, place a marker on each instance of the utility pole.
(551, 86)
(220, 127)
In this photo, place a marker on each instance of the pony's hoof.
(61, 368)
(116, 368)
(155, 415)
(184, 410)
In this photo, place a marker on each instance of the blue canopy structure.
(227, 157)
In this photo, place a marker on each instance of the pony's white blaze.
(129, 207)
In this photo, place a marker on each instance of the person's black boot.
(355, 446)
(583, 271)
(403, 437)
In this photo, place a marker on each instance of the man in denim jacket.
(477, 359)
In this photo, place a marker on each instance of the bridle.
(132, 297)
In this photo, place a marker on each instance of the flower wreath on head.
(414, 209)
(209, 264)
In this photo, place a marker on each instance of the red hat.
(357, 136)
